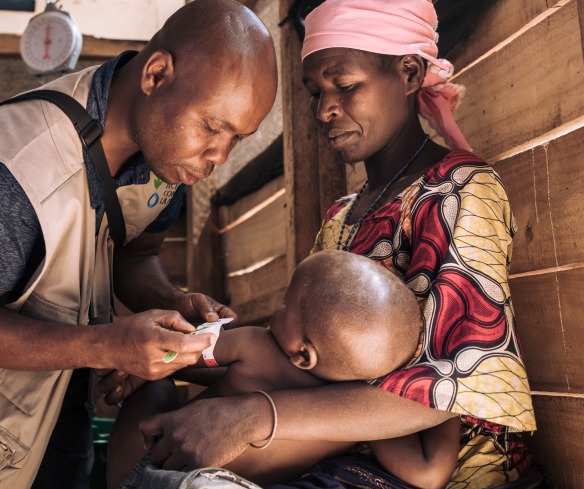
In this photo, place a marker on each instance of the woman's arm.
(426, 459)
(212, 432)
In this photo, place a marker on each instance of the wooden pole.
(580, 6)
(312, 176)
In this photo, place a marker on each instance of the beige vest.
(42, 150)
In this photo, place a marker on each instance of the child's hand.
(117, 385)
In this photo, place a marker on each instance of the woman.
(438, 218)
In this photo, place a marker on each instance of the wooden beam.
(581, 20)
(205, 272)
(314, 180)
(332, 177)
(300, 150)
(92, 46)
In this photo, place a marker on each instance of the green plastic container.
(101, 431)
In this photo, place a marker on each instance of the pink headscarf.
(395, 27)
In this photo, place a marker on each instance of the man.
(170, 114)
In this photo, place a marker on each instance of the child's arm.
(226, 349)
(254, 361)
(426, 459)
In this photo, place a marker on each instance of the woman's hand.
(207, 432)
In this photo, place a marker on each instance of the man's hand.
(117, 385)
(137, 344)
(207, 432)
(200, 308)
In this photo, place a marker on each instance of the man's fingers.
(115, 396)
(226, 312)
(111, 381)
(187, 345)
(206, 307)
(174, 321)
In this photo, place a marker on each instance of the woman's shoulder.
(455, 162)
(458, 169)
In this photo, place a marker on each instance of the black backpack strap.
(90, 132)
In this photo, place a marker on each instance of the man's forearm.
(350, 411)
(30, 344)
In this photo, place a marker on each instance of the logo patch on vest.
(163, 193)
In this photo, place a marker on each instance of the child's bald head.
(346, 317)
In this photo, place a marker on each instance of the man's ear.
(414, 70)
(305, 358)
(158, 69)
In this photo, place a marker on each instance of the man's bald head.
(213, 28)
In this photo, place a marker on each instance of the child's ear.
(305, 358)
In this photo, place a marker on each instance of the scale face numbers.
(50, 43)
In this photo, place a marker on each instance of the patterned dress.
(449, 236)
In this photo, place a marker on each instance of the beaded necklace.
(344, 246)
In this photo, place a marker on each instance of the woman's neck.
(382, 167)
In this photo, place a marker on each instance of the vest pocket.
(38, 307)
(12, 451)
(26, 390)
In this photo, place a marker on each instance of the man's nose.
(219, 152)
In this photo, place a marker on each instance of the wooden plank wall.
(253, 247)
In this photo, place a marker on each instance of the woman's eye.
(346, 88)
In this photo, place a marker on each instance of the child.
(344, 318)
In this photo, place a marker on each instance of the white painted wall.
(135, 20)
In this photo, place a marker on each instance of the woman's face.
(359, 105)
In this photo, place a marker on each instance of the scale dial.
(51, 42)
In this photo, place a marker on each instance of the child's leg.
(126, 443)
(283, 460)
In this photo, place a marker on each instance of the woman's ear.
(305, 358)
(414, 69)
(158, 69)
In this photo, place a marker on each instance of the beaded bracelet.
(273, 433)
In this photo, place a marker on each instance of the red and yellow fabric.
(449, 236)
